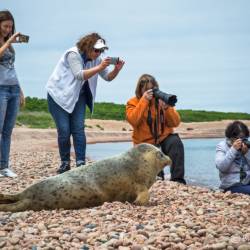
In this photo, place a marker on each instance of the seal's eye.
(160, 154)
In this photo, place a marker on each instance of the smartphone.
(23, 38)
(114, 60)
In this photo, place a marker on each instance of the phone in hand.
(23, 38)
(114, 60)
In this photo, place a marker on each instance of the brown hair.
(143, 81)
(86, 43)
(5, 15)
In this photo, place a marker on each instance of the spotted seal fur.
(125, 177)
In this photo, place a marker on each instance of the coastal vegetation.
(35, 114)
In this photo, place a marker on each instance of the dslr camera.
(167, 98)
(246, 142)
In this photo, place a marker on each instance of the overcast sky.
(199, 50)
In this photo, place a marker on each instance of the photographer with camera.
(11, 95)
(233, 159)
(153, 117)
(71, 87)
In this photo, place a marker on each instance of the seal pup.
(125, 177)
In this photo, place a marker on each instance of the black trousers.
(173, 147)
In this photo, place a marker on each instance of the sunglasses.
(99, 50)
(142, 82)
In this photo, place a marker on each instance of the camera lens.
(167, 98)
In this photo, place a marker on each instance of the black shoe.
(82, 163)
(63, 168)
(161, 174)
(180, 180)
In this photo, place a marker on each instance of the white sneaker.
(8, 173)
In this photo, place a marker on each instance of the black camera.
(23, 38)
(246, 142)
(167, 98)
(114, 60)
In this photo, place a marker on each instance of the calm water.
(199, 158)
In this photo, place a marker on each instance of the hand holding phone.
(22, 38)
(114, 60)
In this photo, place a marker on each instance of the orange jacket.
(137, 113)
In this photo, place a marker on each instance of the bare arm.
(7, 44)
(116, 70)
(87, 73)
(22, 98)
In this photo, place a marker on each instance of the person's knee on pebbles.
(153, 121)
(233, 159)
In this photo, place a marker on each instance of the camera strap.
(154, 128)
(156, 134)
(150, 122)
(162, 120)
(243, 173)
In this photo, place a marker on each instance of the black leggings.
(173, 147)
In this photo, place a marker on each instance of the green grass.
(206, 116)
(108, 111)
(36, 115)
(35, 119)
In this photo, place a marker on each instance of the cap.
(100, 44)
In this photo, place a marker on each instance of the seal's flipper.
(142, 196)
(18, 206)
(8, 198)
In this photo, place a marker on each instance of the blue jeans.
(70, 124)
(9, 106)
(243, 189)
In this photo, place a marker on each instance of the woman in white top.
(71, 87)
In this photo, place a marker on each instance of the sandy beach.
(177, 217)
(109, 131)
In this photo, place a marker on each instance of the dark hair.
(144, 80)
(235, 128)
(86, 43)
(5, 15)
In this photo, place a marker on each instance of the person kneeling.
(153, 120)
(233, 159)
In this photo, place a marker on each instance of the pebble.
(14, 240)
(2, 244)
(244, 247)
(136, 247)
(3, 234)
(178, 217)
(236, 241)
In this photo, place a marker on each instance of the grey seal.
(125, 177)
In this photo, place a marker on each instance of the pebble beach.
(177, 216)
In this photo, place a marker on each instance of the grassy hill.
(35, 114)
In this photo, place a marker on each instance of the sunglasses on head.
(99, 50)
